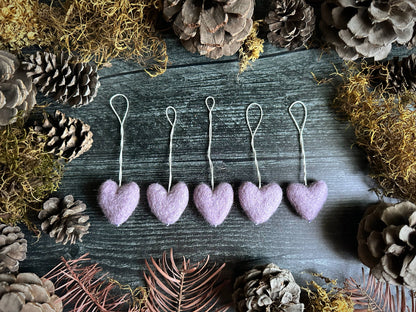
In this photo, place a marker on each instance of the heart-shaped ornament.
(307, 200)
(214, 205)
(168, 207)
(259, 204)
(118, 203)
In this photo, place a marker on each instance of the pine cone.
(26, 292)
(291, 23)
(68, 137)
(400, 75)
(13, 248)
(211, 27)
(386, 242)
(63, 78)
(63, 219)
(267, 289)
(17, 92)
(360, 28)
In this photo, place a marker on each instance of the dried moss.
(251, 48)
(327, 300)
(20, 24)
(28, 173)
(385, 127)
(101, 30)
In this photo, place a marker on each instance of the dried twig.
(193, 287)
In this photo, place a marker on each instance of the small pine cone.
(63, 219)
(67, 137)
(291, 23)
(26, 292)
(400, 75)
(386, 242)
(267, 289)
(13, 248)
(212, 28)
(367, 28)
(63, 78)
(17, 92)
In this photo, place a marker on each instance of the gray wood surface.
(278, 78)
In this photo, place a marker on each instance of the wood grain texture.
(278, 78)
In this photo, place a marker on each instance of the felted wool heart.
(307, 200)
(118, 203)
(259, 204)
(168, 207)
(214, 205)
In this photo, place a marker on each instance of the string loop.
(253, 134)
(172, 130)
(121, 121)
(210, 109)
(300, 130)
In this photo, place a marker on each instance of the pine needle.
(192, 287)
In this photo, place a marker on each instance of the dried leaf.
(192, 287)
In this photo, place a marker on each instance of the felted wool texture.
(307, 200)
(215, 205)
(168, 207)
(118, 203)
(259, 204)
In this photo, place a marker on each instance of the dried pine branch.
(376, 296)
(192, 287)
(84, 290)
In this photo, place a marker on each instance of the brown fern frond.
(192, 287)
(372, 295)
(84, 290)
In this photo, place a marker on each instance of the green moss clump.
(28, 173)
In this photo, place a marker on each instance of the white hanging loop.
(300, 130)
(210, 109)
(253, 134)
(172, 130)
(121, 121)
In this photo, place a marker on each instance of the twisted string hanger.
(300, 130)
(121, 121)
(172, 131)
(210, 108)
(253, 134)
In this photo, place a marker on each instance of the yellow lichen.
(101, 30)
(251, 48)
(20, 24)
(28, 173)
(385, 127)
(323, 300)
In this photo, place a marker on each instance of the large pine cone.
(17, 92)
(26, 292)
(67, 137)
(386, 242)
(267, 289)
(291, 23)
(63, 219)
(13, 248)
(63, 78)
(359, 28)
(211, 27)
(400, 75)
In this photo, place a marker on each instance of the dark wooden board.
(278, 78)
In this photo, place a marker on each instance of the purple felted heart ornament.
(259, 204)
(307, 200)
(214, 205)
(118, 203)
(168, 207)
